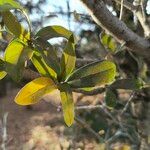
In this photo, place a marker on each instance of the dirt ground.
(42, 127)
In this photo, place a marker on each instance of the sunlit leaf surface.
(15, 56)
(32, 92)
(67, 104)
(97, 73)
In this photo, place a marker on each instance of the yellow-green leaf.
(15, 56)
(68, 60)
(9, 4)
(32, 92)
(2, 66)
(14, 26)
(94, 74)
(2, 74)
(49, 32)
(41, 65)
(67, 104)
(109, 42)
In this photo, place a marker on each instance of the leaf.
(49, 55)
(32, 92)
(9, 4)
(97, 73)
(2, 63)
(15, 56)
(14, 26)
(43, 68)
(49, 32)
(67, 104)
(110, 98)
(129, 84)
(2, 73)
(109, 42)
(68, 59)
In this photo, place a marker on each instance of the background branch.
(140, 13)
(103, 17)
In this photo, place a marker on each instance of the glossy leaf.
(49, 32)
(67, 104)
(68, 59)
(32, 92)
(14, 26)
(15, 56)
(110, 98)
(9, 4)
(129, 84)
(94, 74)
(49, 55)
(92, 68)
(41, 65)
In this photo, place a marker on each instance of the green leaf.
(14, 26)
(2, 72)
(94, 74)
(68, 59)
(9, 4)
(49, 55)
(2, 63)
(43, 68)
(109, 42)
(67, 104)
(49, 32)
(15, 56)
(32, 92)
(129, 84)
(110, 98)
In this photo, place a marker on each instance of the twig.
(118, 134)
(4, 131)
(85, 125)
(102, 106)
(89, 107)
(140, 13)
(121, 10)
(127, 104)
(128, 5)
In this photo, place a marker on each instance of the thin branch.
(93, 92)
(121, 10)
(86, 126)
(127, 104)
(4, 131)
(102, 107)
(140, 13)
(118, 29)
(128, 5)
(89, 107)
(138, 9)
